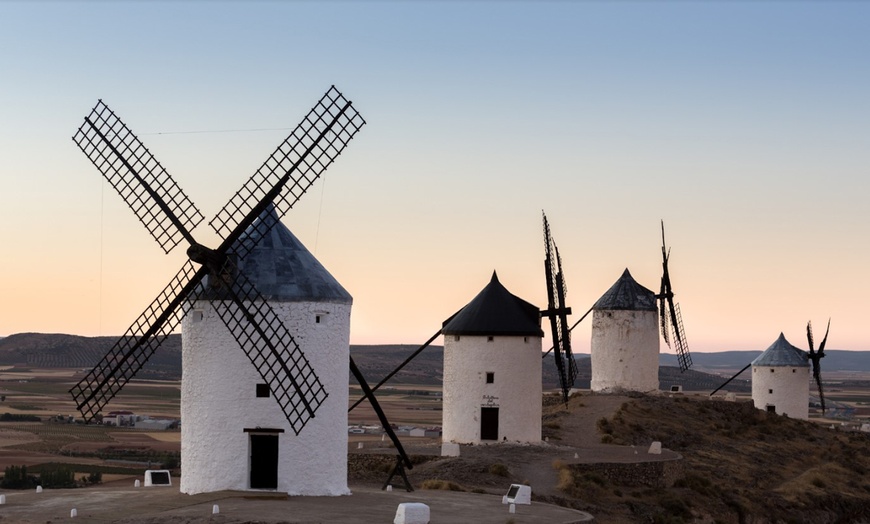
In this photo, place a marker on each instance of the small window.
(771, 370)
(490, 339)
(262, 390)
(490, 377)
(794, 371)
(197, 316)
(770, 391)
(456, 338)
(771, 409)
(526, 340)
(317, 319)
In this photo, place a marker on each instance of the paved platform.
(367, 505)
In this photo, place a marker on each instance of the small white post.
(215, 509)
(512, 509)
(389, 487)
(136, 484)
(359, 445)
(73, 513)
(39, 489)
(576, 455)
(2, 499)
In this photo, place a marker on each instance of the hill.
(376, 361)
(835, 360)
(740, 464)
(40, 350)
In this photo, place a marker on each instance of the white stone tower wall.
(516, 389)
(218, 401)
(624, 351)
(784, 387)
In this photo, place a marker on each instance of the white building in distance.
(625, 339)
(234, 434)
(492, 370)
(781, 380)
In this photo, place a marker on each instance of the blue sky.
(742, 125)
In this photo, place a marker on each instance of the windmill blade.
(268, 345)
(400, 366)
(564, 332)
(669, 313)
(380, 413)
(664, 321)
(162, 207)
(810, 335)
(133, 350)
(730, 379)
(553, 309)
(821, 393)
(825, 340)
(683, 356)
(288, 173)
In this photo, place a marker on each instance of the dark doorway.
(488, 423)
(264, 461)
(771, 408)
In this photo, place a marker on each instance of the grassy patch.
(444, 485)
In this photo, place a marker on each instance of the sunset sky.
(745, 126)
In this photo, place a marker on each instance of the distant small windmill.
(244, 221)
(812, 356)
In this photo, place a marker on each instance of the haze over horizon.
(742, 125)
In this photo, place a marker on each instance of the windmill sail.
(162, 207)
(135, 347)
(815, 357)
(669, 313)
(169, 215)
(558, 314)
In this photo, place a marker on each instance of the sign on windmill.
(269, 366)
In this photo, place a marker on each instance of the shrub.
(16, 477)
(445, 485)
(58, 477)
(9, 417)
(499, 469)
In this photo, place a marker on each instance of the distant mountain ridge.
(376, 361)
(835, 360)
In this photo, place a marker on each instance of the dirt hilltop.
(722, 462)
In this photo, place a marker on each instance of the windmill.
(783, 354)
(558, 312)
(170, 216)
(670, 318)
(816, 356)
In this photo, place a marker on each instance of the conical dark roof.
(283, 270)
(781, 353)
(626, 293)
(495, 311)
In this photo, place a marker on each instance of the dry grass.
(444, 485)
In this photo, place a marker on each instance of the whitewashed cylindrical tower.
(234, 435)
(625, 339)
(781, 380)
(492, 370)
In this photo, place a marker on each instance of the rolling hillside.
(376, 361)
